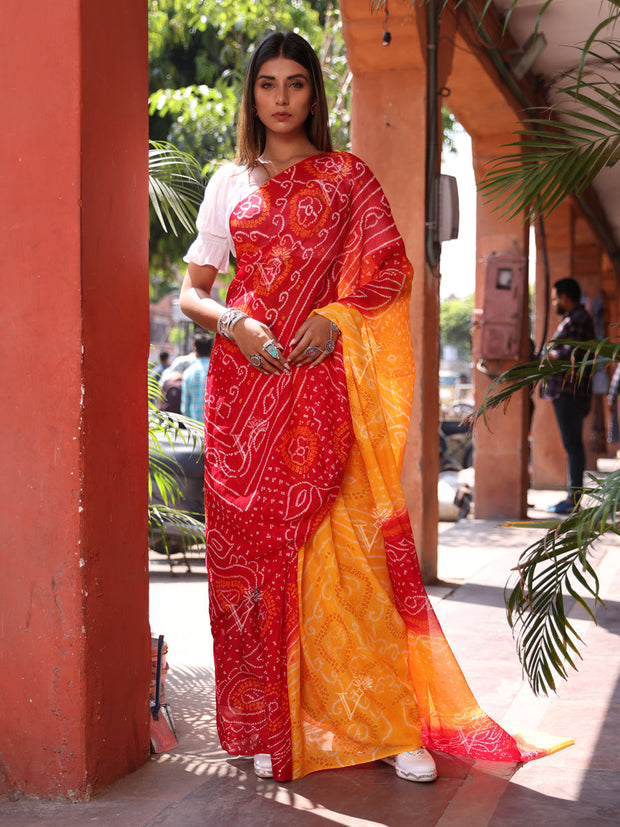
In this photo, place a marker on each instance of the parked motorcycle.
(455, 484)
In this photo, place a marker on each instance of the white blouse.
(228, 185)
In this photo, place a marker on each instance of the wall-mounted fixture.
(387, 37)
(447, 208)
(524, 61)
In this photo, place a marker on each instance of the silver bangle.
(228, 320)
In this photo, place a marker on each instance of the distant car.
(447, 383)
(454, 390)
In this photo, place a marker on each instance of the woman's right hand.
(251, 337)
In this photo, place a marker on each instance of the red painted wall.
(74, 654)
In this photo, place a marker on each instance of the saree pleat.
(327, 650)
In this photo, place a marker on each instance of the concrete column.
(74, 660)
(501, 449)
(388, 131)
(610, 306)
(588, 270)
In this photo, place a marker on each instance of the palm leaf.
(176, 186)
(535, 181)
(608, 22)
(554, 158)
(172, 426)
(191, 529)
(585, 357)
(556, 564)
(166, 477)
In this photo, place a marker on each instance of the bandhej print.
(327, 650)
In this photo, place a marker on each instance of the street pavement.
(199, 785)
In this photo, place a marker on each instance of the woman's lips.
(282, 116)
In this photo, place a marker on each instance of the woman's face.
(283, 95)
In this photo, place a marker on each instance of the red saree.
(327, 650)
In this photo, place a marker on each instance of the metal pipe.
(432, 246)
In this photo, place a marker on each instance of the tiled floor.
(197, 784)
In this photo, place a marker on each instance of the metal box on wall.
(501, 320)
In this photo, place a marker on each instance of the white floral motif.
(309, 210)
(299, 450)
(249, 208)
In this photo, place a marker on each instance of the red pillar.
(388, 130)
(74, 660)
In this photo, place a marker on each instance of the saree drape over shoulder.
(327, 650)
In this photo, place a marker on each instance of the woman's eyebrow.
(290, 77)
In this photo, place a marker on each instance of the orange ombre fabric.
(327, 650)
(364, 610)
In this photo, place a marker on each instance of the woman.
(327, 650)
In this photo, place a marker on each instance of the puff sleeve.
(213, 245)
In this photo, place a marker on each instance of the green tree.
(448, 128)
(455, 324)
(198, 52)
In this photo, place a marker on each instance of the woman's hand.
(311, 342)
(260, 347)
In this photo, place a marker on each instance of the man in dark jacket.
(570, 394)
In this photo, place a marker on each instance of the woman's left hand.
(310, 340)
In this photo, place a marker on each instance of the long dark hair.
(251, 134)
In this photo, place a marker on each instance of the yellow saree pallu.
(327, 650)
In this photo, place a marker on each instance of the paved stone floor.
(197, 784)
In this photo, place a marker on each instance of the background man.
(195, 379)
(570, 395)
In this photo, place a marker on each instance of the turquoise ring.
(271, 348)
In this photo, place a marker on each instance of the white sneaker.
(417, 765)
(262, 766)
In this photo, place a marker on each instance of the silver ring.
(257, 360)
(312, 352)
(330, 344)
(271, 348)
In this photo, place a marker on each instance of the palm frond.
(586, 356)
(552, 159)
(553, 568)
(155, 393)
(557, 566)
(164, 478)
(190, 529)
(609, 22)
(176, 186)
(171, 426)
(166, 475)
(165, 427)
